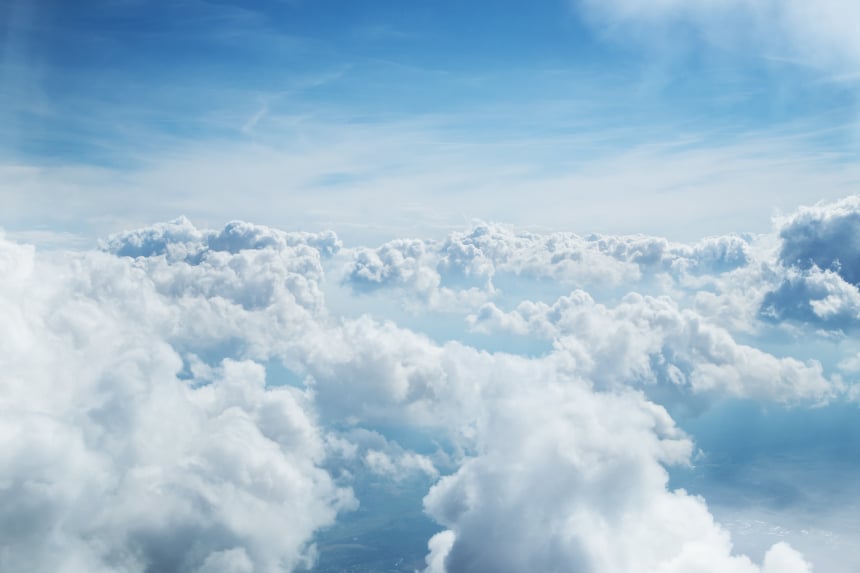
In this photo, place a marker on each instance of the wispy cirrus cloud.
(819, 35)
(379, 178)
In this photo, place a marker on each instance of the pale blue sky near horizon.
(372, 118)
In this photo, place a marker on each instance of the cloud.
(569, 479)
(819, 252)
(113, 459)
(408, 266)
(462, 270)
(647, 340)
(814, 34)
(180, 240)
(360, 450)
(183, 398)
(592, 260)
(827, 236)
(393, 173)
(818, 297)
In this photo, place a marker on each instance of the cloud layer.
(185, 399)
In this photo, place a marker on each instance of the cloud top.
(185, 400)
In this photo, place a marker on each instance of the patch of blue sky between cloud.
(794, 470)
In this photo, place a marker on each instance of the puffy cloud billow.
(114, 459)
(651, 340)
(184, 399)
(570, 480)
(820, 254)
(463, 269)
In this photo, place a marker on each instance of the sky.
(447, 287)
(359, 116)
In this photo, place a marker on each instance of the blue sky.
(88, 80)
(383, 102)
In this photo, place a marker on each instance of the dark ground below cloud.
(388, 533)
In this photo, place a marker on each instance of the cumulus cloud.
(366, 450)
(819, 248)
(826, 236)
(648, 340)
(112, 460)
(567, 479)
(144, 427)
(408, 266)
(180, 239)
(462, 271)
(592, 259)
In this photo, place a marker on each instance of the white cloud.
(569, 479)
(461, 271)
(648, 340)
(381, 456)
(819, 34)
(411, 267)
(140, 429)
(781, 558)
(826, 235)
(111, 461)
(821, 268)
